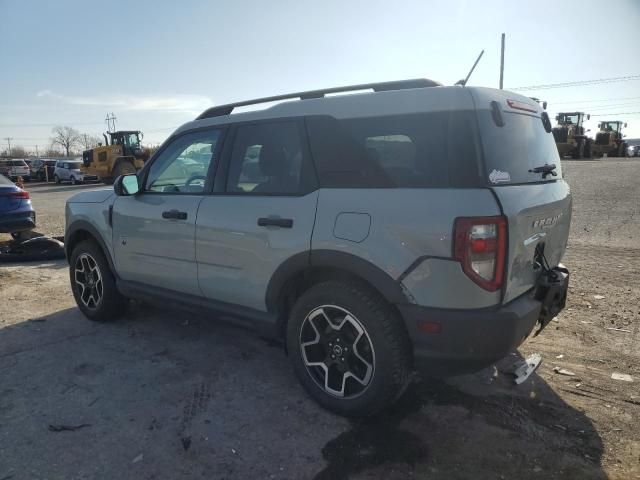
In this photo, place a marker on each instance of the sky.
(157, 65)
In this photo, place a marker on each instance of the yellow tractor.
(122, 154)
(609, 140)
(570, 137)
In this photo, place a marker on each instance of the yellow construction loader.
(121, 154)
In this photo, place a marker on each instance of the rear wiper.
(545, 170)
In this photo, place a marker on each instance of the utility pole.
(111, 122)
(502, 63)
(86, 144)
(8, 139)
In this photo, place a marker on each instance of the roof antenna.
(464, 82)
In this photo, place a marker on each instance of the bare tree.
(18, 152)
(89, 140)
(66, 137)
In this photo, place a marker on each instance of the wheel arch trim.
(84, 226)
(359, 267)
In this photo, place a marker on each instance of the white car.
(69, 171)
(15, 168)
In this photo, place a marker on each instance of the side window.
(182, 167)
(403, 151)
(269, 158)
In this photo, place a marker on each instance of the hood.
(94, 196)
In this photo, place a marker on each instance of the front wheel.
(93, 284)
(123, 168)
(349, 348)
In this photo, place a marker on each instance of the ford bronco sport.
(416, 226)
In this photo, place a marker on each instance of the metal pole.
(502, 64)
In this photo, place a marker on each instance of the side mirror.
(544, 105)
(588, 130)
(126, 185)
(588, 116)
(625, 125)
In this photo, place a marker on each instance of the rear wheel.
(56, 178)
(93, 284)
(349, 348)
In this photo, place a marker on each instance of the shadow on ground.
(164, 394)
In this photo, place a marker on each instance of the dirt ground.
(166, 395)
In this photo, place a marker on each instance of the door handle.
(174, 215)
(275, 222)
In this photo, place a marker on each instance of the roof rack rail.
(376, 87)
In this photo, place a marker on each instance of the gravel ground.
(170, 395)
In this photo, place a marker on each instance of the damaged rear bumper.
(465, 341)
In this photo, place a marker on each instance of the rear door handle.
(276, 222)
(174, 215)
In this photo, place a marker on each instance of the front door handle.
(174, 215)
(276, 222)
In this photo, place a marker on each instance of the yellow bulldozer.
(570, 137)
(609, 139)
(121, 154)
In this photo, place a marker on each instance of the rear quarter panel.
(410, 238)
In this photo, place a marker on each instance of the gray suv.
(414, 227)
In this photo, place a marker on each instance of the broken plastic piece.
(524, 368)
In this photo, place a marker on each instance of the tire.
(379, 359)
(123, 168)
(73, 180)
(56, 178)
(578, 153)
(97, 298)
(587, 150)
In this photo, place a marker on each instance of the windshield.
(131, 140)
(610, 126)
(565, 118)
(520, 145)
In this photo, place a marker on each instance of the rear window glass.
(18, 163)
(409, 151)
(520, 145)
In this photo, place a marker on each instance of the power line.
(596, 101)
(4, 125)
(613, 114)
(580, 83)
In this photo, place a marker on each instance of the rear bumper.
(17, 222)
(469, 340)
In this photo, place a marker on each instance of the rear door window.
(404, 151)
(518, 146)
(270, 159)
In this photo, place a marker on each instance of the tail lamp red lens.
(480, 245)
(19, 194)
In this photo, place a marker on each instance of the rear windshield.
(437, 149)
(518, 146)
(18, 163)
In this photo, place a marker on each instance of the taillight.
(20, 194)
(480, 245)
